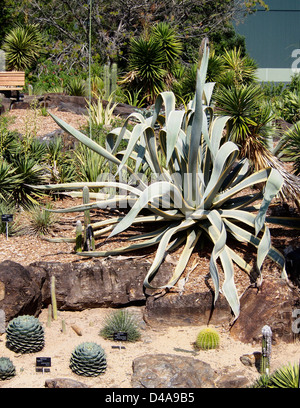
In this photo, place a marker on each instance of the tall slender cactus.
(53, 298)
(266, 350)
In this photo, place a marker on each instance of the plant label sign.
(120, 336)
(7, 217)
(43, 364)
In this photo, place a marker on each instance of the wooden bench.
(12, 81)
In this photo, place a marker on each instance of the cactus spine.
(53, 298)
(266, 350)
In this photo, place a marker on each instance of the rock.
(171, 371)
(100, 283)
(293, 266)
(235, 379)
(22, 291)
(271, 305)
(64, 383)
(5, 104)
(187, 309)
(251, 360)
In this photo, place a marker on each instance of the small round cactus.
(25, 334)
(88, 359)
(7, 369)
(207, 339)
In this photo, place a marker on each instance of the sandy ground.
(59, 346)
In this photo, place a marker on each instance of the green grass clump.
(120, 321)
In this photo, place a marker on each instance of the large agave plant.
(198, 188)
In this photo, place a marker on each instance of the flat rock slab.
(187, 309)
(171, 371)
(273, 305)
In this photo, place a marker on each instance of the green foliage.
(23, 45)
(76, 87)
(88, 359)
(199, 189)
(284, 377)
(207, 339)
(8, 208)
(7, 368)
(121, 321)
(41, 221)
(152, 58)
(291, 150)
(25, 334)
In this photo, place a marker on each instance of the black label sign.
(120, 336)
(6, 217)
(43, 361)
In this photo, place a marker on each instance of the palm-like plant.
(238, 69)
(23, 46)
(196, 189)
(249, 127)
(291, 150)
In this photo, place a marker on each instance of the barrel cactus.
(207, 339)
(7, 369)
(88, 359)
(25, 334)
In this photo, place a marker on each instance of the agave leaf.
(273, 186)
(154, 190)
(161, 252)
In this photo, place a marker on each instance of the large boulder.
(21, 293)
(273, 305)
(187, 309)
(171, 371)
(104, 283)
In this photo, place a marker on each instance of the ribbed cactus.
(7, 369)
(207, 339)
(110, 79)
(266, 350)
(88, 359)
(25, 334)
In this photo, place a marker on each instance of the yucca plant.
(23, 45)
(284, 377)
(198, 190)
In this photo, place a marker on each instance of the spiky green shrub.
(88, 359)
(198, 189)
(207, 339)
(121, 321)
(25, 334)
(7, 368)
(284, 377)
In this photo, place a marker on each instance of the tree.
(115, 22)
